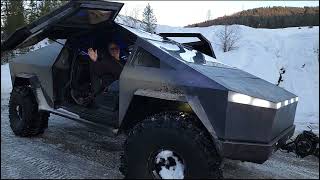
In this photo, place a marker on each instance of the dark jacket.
(107, 65)
(104, 71)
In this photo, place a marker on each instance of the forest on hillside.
(269, 17)
(15, 14)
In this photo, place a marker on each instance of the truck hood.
(242, 82)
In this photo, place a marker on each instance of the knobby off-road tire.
(25, 119)
(174, 131)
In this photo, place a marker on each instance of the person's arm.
(98, 67)
(93, 54)
(102, 67)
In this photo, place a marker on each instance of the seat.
(80, 81)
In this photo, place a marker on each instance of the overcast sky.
(182, 13)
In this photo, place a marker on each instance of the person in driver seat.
(108, 65)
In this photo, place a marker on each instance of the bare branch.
(228, 38)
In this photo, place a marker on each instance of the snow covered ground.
(71, 150)
(5, 80)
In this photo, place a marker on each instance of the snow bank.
(263, 52)
(5, 79)
(41, 44)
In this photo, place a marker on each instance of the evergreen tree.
(12, 18)
(15, 16)
(45, 7)
(3, 18)
(32, 11)
(269, 17)
(149, 20)
(57, 3)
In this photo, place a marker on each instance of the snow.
(174, 172)
(5, 79)
(188, 55)
(41, 44)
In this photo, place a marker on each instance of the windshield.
(177, 50)
(187, 54)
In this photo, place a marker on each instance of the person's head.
(114, 50)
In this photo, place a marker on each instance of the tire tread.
(35, 122)
(177, 120)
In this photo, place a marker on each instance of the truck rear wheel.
(25, 119)
(169, 145)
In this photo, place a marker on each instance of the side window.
(144, 58)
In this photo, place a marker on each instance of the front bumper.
(255, 152)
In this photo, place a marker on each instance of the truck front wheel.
(169, 145)
(25, 119)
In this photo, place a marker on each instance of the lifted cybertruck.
(183, 110)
